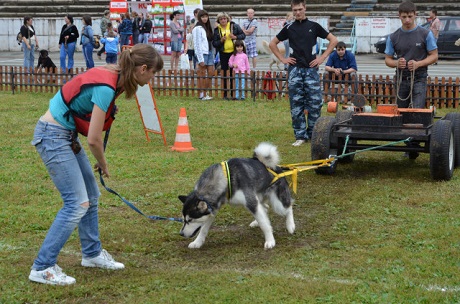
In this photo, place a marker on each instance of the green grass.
(379, 231)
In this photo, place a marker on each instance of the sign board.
(149, 111)
(118, 6)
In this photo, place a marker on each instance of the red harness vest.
(92, 77)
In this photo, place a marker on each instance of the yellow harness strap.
(292, 172)
(224, 165)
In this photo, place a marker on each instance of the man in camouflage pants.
(304, 83)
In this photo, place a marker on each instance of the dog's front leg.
(264, 224)
(199, 241)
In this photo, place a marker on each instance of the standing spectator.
(145, 29)
(189, 47)
(111, 49)
(289, 20)
(303, 82)
(104, 21)
(435, 23)
(29, 43)
(202, 40)
(67, 42)
(412, 62)
(341, 62)
(224, 34)
(125, 29)
(90, 94)
(250, 30)
(87, 38)
(435, 26)
(136, 26)
(240, 63)
(177, 32)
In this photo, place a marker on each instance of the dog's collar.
(226, 170)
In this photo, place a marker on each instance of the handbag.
(184, 63)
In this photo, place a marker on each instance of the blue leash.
(152, 217)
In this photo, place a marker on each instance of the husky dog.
(239, 181)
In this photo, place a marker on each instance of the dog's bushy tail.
(267, 154)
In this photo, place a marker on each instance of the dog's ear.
(202, 206)
(182, 198)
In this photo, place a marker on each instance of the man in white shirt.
(250, 30)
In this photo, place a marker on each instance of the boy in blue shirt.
(410, 50)
(340, 62)
(111, 47)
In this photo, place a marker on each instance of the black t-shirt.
(302, 35)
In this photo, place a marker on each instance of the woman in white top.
(202, 39)
(29, 43)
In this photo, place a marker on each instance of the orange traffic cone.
(183, 141)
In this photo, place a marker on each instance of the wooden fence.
(441, 92)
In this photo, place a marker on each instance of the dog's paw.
(195, 244)
(254, 224)
(269, 244)
(290, 226)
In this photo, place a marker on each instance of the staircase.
(360, 8)
(52, 8)
(273, 8)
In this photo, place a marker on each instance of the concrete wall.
(368, 31)
(48, 30)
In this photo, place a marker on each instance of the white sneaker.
(206, 97)
(299, 142)
(51, 275)
(103, 260)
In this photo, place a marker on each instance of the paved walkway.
(368, 64)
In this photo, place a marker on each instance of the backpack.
(19, 38)
(96, 41)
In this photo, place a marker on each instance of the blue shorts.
(176, 46)
(208, 59)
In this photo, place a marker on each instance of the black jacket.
(70, 31)
(235, 29)
(147, 26)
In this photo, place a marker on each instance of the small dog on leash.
(247, 182)
(45, 62)
(274, 59)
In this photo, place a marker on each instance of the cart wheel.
(322, 145)
(442, 150)
(342, 116)
(455, 120)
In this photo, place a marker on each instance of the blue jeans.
(111, 58)
(88, 54)
(144, 38)
(239, 88)
(418, 91)
(66, 51)
(124, 39)
(72, 174)
(29, 57)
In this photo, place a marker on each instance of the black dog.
(44, 61)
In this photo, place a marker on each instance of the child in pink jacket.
(240, 63)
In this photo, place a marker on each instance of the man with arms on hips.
(303, 83)
(250, 30)
(410, 50)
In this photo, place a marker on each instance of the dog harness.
(226, 170)
(92, 77)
